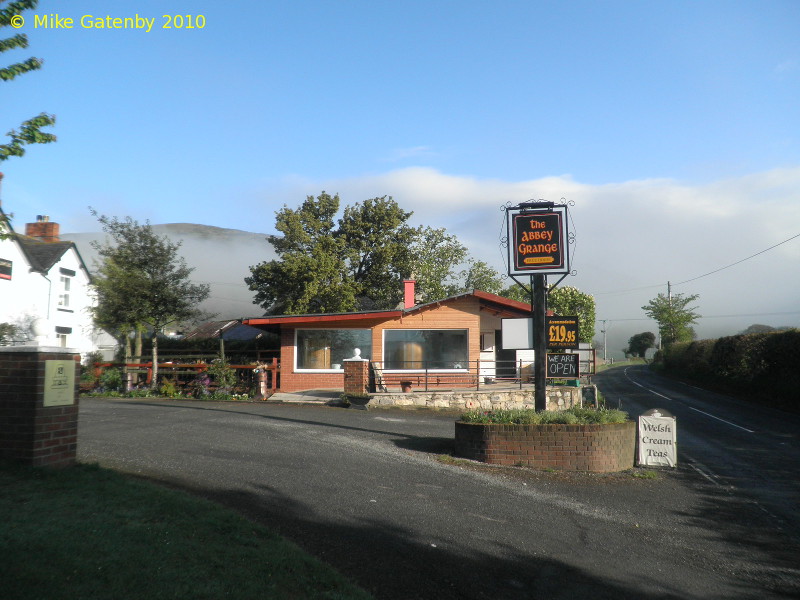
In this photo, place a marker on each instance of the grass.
(570, 416)
(621, 363)
(87, 532)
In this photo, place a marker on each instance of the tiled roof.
(42, 255)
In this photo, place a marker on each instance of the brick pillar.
(356, 376)
(39, 405)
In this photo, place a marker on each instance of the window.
(425, 349)
(321, 349)
(63, 297)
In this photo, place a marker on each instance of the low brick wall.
(558, 398)
(594, 448)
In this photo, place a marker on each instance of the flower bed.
(597, 447)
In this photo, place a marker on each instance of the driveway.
(369, 493)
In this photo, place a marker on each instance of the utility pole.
(604, 339)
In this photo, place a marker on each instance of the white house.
(43, 278)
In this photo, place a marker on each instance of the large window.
(327, 348)
(425, 349)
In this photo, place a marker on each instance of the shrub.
(570, 416)
(111, 380)
(221, 372)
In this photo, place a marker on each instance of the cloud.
(631, 235)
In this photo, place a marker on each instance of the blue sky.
(673, 126)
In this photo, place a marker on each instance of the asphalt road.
(364, 491)
(742, 448)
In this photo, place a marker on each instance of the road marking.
(689, 407)
(723, 420)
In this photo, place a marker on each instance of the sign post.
(537, 245)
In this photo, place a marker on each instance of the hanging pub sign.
(538, 241)
(562, 333)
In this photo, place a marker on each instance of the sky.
(672, 128)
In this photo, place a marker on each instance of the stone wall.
(595, 448)
(558, 398)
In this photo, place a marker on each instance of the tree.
(143, 281)
(569, 301)
(30, 131)
(480, 276)
(309, 275)
(674, 317)
(378, 254)
(436, 256)
(516, 292)
(640, 343)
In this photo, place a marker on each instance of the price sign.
(562, 333)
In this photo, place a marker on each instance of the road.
(369, 493)
(742, 448)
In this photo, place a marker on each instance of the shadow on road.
(392, 565)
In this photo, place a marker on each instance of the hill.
(220, 257)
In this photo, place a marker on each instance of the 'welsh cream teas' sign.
(59, 382)
(657, 439)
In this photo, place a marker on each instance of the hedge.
(761, 366)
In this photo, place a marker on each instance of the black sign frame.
(538, 241)
(568, 364)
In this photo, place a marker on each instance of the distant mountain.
(220, 257)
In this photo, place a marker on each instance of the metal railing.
(423, 375)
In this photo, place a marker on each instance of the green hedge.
(761, 366)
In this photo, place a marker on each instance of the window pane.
(426, 349)
(327, 348)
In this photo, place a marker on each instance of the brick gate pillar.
(356, 375)
(39, 405)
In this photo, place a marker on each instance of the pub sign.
(538, 241)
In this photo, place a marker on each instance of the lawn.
(87, 532)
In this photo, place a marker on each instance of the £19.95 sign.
(562, 333)
(538, 241)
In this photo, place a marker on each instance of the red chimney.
(43, 229)
(409, 300)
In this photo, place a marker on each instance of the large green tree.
(359, 261)
(30, 131)
(309, 275)
(674, 316)
(377, 252)
(142, 281)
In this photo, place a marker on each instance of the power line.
(739, 261)
(647, 287)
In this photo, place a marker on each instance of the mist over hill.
(220, 257)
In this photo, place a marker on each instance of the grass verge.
(87, 532)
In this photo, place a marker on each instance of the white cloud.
(630, 234)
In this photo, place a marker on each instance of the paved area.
(376, 494)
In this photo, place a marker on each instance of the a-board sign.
(562, 333)
(59, 382)
(563, 366)
(538, 241)
(657, 437)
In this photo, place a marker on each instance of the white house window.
(413, 349)
(325, 349)
(63, 297)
